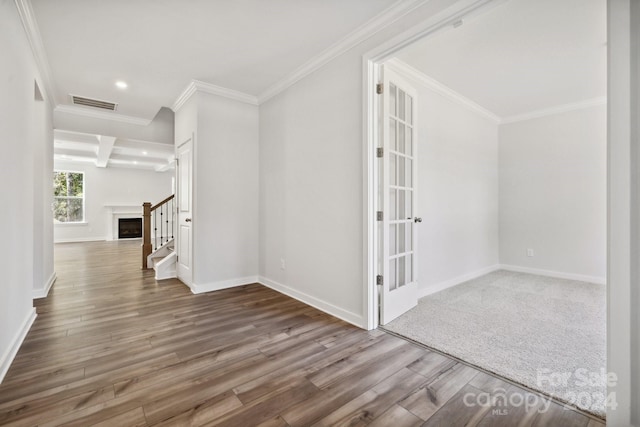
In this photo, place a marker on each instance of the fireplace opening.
(129, 228)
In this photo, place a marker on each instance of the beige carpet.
(533, 330)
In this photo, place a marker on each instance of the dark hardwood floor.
(111, 346)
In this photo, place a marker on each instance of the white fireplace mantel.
(117, 211)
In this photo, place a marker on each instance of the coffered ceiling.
(103, 151)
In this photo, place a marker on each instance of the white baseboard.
(223, 284)
(80, 239)
(10, 354)
(347, 316)
(457, 280)
(42, 293)
(557, 274)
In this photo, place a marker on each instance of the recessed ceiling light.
(135, 162)
(144, 153)
(121, 84)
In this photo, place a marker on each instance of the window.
(68, 196)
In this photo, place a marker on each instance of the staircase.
(164, 260)
(158, 241)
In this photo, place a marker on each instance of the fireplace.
(129, 228)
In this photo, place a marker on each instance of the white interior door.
(398, 197)
(184, 194)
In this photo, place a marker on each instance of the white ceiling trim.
(184, 96)
(371, 27)
(37, 48)
(602, 100)
(197, 85)
(224, 92)
(407, 70)
(80, 111)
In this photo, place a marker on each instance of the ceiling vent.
(95, 103)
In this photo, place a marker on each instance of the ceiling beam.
(70, 152)
(166, 167)
(104, 150)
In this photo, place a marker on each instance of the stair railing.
(158, 226)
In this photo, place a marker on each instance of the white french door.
(185, 202)
(397, 197)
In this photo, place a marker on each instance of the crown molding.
(186, 94)
(37, 48)
(380, 21)
(80, 111)
(407, 70)
(199, 86)
(362, 33)
(224, 92)
(436, 86)
(601, 100)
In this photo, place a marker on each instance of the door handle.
(187, 220)
(417, 219)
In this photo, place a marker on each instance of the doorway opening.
(509, 175)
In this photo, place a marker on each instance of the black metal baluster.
(154, 242)
(161, 236)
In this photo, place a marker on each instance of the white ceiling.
(521, 56)
(159, 46)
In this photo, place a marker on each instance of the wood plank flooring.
(113, 347)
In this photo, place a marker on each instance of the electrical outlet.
(282, 264)
(530, 252)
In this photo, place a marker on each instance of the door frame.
(371, 62)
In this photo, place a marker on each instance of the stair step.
(165, 270)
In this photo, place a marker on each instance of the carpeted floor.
(545, 333)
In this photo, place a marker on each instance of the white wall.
(311, 181)
(553, 193)
(552, 197)
(47, 236)
(24, 125)
(110, 186)
(186, 121)
(457, 191)
(225, 188)
(42, 132)
(225, 215)
(311, 189)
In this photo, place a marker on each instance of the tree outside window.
(68, 196)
